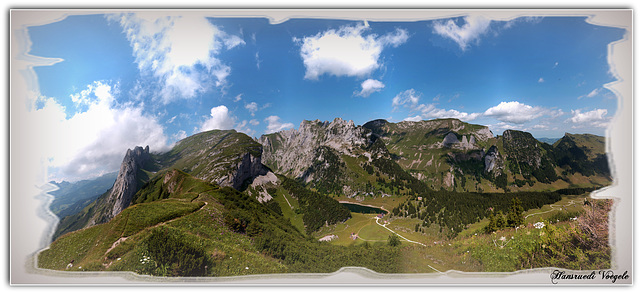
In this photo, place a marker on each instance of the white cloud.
(408, 98)
(237, 98)
(395, 39)
(414, 118)
(258, 61)
(541, 80)
(431, 112)
(274, 124)
(500, 127)
(166, 49)
(518, 113)
(591, 94)
(244, 128)
(470, 31)
(220, 118)
(540, 126)
(369, 87)
(252, 107)
(594, 118)
(180, 135)
(254, 122)
(346, 51)
(95, 141)
(233, 41)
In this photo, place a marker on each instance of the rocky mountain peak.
(292, 151)
(126, 185)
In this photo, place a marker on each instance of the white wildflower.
(538, 225)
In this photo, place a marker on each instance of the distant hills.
(547, 140)
(71, 198)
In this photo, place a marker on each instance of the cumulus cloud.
(94, 141)
(180, 62)
(220, 118)
(369, 87)
(540, 80)
(431, 112)
(274, 124)
(515, 112)
(594, 118)
(346, 51)
(464, 35)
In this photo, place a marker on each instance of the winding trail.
(405, 239)
(553, 208)
(122, 239)
(402, 237)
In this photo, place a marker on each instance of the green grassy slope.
(218, 232)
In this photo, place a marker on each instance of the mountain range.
(292, 178)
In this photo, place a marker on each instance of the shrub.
(173, 255)
(237, 221)
(393, 240)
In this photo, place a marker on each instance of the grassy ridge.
(221, 232)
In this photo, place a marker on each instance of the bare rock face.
(126, 185)
(292, 151)
(492, 160)
(450, 140)
(249, 167)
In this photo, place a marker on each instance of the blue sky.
(146, 79)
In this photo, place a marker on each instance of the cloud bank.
(93, 141)
(181, 63)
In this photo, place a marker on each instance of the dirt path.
(285, 198)
(122, 239)
(553, 208)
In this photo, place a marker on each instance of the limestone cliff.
(292, 152)
(126, 185)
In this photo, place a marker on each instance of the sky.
(123, 80)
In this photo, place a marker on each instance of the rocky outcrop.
(292, 151)
(493, 162)
(126, 185)
(249, 167)
(450, 140)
